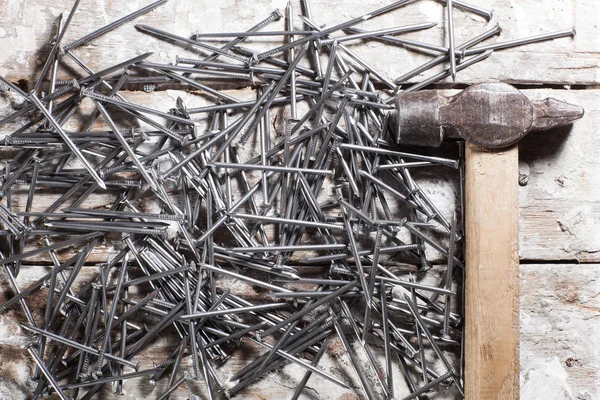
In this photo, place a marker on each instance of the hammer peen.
(491, 118)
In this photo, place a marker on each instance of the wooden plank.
(560, 353)
(492, 280)
(16, 374)
(556, 207)
(560, 334)
(279, 384)
(559, 207)
(27, 26)
(568, 184)
(441, 187)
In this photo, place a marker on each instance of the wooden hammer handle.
(492, 274)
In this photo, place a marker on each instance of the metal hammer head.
(492, 115)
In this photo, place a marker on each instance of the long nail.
(274, 16)
(80, 346)
(450, 33)
(449, 270)
(47, 373)
(380, 32)
(163, 34)
(521, 42)
(301, 363)
(113, 25)
(55, 48)
(327, 31)
(68, 141)
(122, 104)
(386, 341)
(430, 64)
(401, 41)
(174, 387)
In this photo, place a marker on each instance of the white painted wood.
(560, 352)
(280, 384)
(560, 347)
(27, 25)
(439, 185)
(559, 208)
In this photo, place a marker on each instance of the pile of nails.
(319, 238)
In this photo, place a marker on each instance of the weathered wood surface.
(491, 274)
(560, 332)
(27, 25)
(563, 181)
(16, 366)
(558, 206)
(439, 182)
(560, 352)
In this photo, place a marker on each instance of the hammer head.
(492, 115)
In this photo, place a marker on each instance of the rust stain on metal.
(490, 115)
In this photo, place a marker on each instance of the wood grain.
(492, 275)
(28, 25)
(557, 208)
(560, 333)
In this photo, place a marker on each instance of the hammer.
(491, 118)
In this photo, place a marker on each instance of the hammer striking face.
(492, 115)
